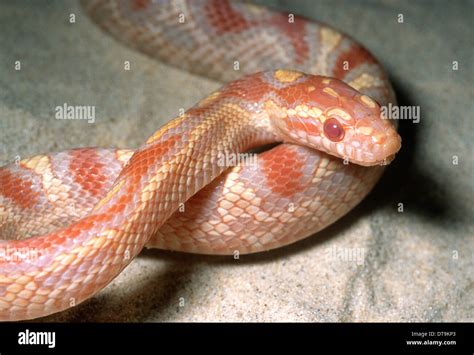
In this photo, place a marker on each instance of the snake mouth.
(391, 146)
(390, 158)
(354, 151)
(383, 155)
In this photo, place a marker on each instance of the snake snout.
(391, 146)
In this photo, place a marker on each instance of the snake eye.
(333, 130)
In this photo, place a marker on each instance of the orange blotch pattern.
(283, 172)
(17, 189)
(138, 166)
(252, 88)
(354, 57)
(140, 4)
(224, 18)
(87, 170)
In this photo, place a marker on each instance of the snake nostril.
(333, 130)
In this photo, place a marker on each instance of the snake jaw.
(379, 148)
(391, 147)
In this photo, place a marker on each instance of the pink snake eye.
(333, 130)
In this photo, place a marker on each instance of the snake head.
(329, 115)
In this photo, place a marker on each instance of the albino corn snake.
(125, 200)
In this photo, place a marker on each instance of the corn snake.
(89, 211)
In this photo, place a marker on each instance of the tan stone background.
(408, 272)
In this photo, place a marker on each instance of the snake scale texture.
(70, 222)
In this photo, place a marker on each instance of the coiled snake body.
(71, 221)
